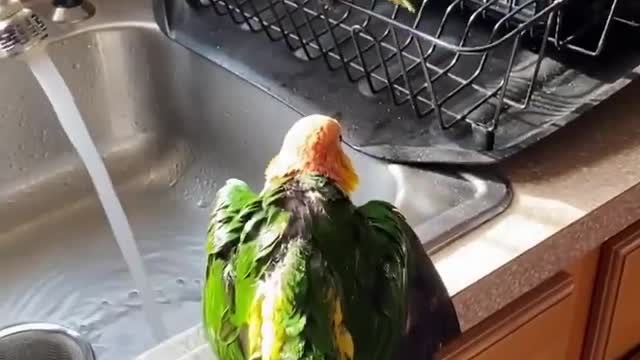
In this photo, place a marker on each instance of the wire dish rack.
(459, 65)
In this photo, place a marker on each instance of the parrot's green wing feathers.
(387, 248)
(243, 231)
(222, 335)
(365, 250)
(226, 225)
(432, 319)
(223, 237)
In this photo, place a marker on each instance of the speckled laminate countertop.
(572, 192)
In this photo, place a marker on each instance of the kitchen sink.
(171, 127)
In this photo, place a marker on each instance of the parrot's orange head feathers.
(313, 145)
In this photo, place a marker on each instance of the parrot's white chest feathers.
(314, 196)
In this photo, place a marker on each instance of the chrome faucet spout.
(20, 29)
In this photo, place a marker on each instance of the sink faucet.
(20, 28)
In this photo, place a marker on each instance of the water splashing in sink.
(65, 108)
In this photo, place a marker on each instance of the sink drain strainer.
(40, 341)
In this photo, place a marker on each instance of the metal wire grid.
(454, 69)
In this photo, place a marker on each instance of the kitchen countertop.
(572, 191)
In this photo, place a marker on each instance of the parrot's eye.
(341, 138)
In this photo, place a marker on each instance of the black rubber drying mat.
(570, 84)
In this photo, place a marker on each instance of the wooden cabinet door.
(548, 323)
(614, 327)
(534, 327)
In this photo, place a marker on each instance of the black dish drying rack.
(460, 72)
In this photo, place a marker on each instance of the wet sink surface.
(172, 127)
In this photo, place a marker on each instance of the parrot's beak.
(349, 179)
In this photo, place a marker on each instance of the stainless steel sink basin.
(172, 127)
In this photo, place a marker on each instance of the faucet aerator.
(20, 30)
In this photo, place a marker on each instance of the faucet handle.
(71, 11)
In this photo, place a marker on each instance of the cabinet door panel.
(522, 329)
(547, 323)
(614, 328)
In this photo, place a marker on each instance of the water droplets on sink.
(161, 298)
(133, 294)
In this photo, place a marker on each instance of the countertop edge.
(484, 297)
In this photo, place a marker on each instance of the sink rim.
(492, 192)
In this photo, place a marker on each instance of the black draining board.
(571, 84)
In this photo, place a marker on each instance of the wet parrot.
(297, 271)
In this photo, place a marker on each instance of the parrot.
(298, 272)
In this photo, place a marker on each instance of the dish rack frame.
(390, 49)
